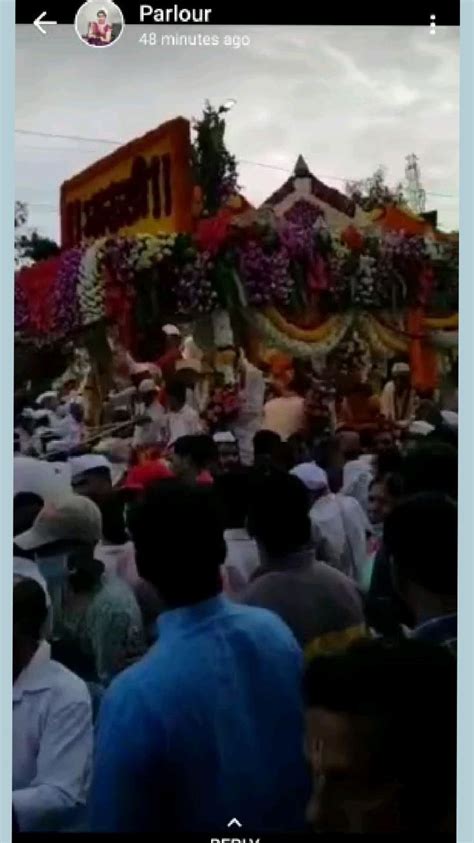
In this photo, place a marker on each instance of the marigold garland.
(309, 335)
(317, 347)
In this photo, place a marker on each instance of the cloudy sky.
(348, 99)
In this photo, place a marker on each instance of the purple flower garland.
(265, 276)
(67, 314)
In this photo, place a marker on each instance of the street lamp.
(227, 106)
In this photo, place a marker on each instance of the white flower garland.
(90, 288)
(151, 249)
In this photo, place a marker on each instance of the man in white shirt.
(52, 724)
(68, 429)
(242, 559)
(339, 525)
(251, 401)
(358, 468)
(398, 398)
(182, 420)
(151, 427)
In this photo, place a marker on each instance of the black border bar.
(235, 834)
(248, 12)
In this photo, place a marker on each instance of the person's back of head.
(30, 613)
(328, 455)
(266, 446)
(299, 449)
(194, 454)
(29, 608)
(279, 514)
(389, 461)
(114, 530)
(428, 411)
(178, 534)
(386, 714)
(26, 508)
(431, 467)
(421, 536)
(233, 490)
(176, 395)
(350, 444)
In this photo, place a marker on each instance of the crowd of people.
(257, 621)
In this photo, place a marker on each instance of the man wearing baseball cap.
(62, 525)
(73, 519)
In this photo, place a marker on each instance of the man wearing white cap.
(339, 524)
(397, 401)
(91, 476)
(167, 361)
(150, 428)
(48, 480)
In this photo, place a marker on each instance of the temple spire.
(301, 168)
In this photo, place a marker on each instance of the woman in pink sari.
(100, 32)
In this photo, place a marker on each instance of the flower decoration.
(22, 316)
(195, 294)
(223, 407)
(254, 260)
(265, 275)
(90, 289)
(67, 316)
(304, 215)
(297, 241)
(363, 292)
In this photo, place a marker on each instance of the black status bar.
(248, 12)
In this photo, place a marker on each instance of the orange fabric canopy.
(393, 218)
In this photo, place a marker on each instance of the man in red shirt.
(167, 361)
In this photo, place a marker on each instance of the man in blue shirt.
(209, 725)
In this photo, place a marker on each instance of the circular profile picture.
(99, 23)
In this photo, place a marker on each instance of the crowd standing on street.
(255, 620)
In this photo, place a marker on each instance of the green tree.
(214, 168)
(30, 246)
(373, 192)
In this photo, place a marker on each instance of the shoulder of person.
(125, 690)
(333, 575)
(67, 689)
(352, 506)
(260, 618)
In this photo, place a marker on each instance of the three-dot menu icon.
(432, 24)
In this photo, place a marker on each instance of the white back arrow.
(40, 22)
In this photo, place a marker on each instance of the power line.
(110, 142)
(67, 137)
